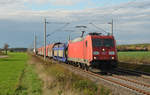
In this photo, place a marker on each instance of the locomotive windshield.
(102, 42)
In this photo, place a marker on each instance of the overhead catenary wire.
(98, 27)
(66, 24)
(40, 40)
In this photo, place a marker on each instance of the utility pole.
(34, 43)
(45, 38)
(112, 26)
(45, 25)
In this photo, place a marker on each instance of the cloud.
(131, 20)
(56, 2)
(9, 2)
(65, 2)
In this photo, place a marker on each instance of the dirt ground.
(47, 80)
(3, 56)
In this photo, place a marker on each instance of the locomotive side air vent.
(95, 33)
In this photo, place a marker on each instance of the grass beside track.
(61, 81)
(17, 77)
(135, 60)
(134, 57)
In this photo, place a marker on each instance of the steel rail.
(138, 90)
(142, 74)
(124, 85)
(117, 82)
(137, 82)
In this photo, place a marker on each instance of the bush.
(66, 80)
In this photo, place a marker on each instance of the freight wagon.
(59, 50)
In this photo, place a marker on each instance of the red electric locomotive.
(94, 50)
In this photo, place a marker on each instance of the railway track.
(137, 87)
(124, 82)
(133, 72)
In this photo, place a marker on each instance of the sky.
(20, 19)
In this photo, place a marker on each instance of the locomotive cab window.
(97, 42)
(108, 42)
(103, 42)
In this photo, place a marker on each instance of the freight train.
(92, 51)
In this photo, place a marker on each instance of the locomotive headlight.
(112, 58)
(103, 49)
(95, 58)
(111, 53)
(95, 53)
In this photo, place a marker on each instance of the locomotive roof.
(77, 39)
(93, 36)
(102, 36)
(95, 33)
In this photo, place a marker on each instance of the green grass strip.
(16, 77)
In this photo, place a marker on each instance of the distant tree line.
(126, 49)
(139, 47)
(18, 49)
(6, 48)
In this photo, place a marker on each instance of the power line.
(66, 24)
(98, 27)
